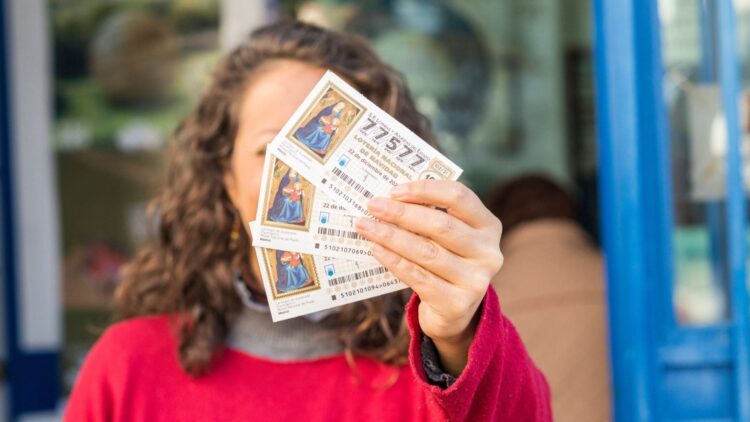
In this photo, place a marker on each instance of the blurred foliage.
(133, 57)
(193, 15)
(85, 99)
(291, 7)
(119, 62)
(74, 24)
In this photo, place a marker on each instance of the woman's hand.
(447, 258)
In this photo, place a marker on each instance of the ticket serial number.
(368, 288)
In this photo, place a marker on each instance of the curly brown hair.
(188, 269)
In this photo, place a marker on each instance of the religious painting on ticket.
(290, 272)
(289, 198)
(325, 123)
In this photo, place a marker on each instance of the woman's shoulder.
(132, 353)
(136, 337)
(147, 322)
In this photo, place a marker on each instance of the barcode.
(351, 182)
(338, 233)
(356, 276)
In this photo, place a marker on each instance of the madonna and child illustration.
(293, 272)
(326, 123)
(287, 203)
(289, 199)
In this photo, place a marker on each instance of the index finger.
(453, 196)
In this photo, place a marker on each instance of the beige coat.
(552, 289)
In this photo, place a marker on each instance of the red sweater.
(132, 374)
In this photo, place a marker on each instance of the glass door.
(673, 208)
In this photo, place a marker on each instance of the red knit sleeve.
(499, 382)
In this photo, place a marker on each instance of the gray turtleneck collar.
(294, 339)
(304, 338)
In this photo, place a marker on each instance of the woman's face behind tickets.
(269, 100)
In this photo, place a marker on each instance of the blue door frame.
(5, 255)
(661, 370)
(32, 376)
(730, 89)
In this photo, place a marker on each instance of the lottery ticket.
(352, 150)
(298, 284)
(293, 216)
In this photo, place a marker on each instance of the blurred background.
(94, 87)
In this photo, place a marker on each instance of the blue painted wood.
(620, 97)
(696, 374)
(696, 346)
(654, 177)
(7, 257)
(729, 77)
(661, 371)
(654, 173)
(698, 393)
(707, 19)
(33, 377)
(707, 74)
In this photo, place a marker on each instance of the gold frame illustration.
(307, 261)
(272, 187)
(319, 104)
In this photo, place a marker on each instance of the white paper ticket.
(351, 149)
(293, 216)
(298, 284)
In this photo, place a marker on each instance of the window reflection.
(484, 72)
(699, 148)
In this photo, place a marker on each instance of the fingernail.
(399, 191)
(376, 205)
(364, 224)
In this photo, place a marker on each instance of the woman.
(198, 343)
